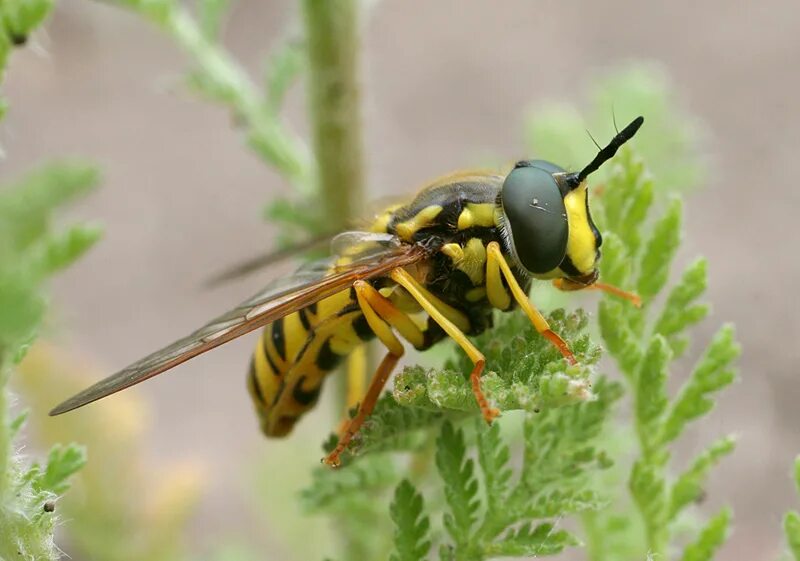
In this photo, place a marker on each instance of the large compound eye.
(535, 215)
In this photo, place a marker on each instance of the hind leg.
(382, 316)
(365, 408)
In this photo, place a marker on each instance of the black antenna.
(605, 154)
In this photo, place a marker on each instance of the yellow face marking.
(476, 215)
(581, 247)
(407, 229)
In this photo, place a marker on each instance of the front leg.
(568, 285)
(496, 266)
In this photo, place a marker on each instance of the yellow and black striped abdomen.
(294, 354)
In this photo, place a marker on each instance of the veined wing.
(367, 256)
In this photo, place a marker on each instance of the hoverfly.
(468, 243)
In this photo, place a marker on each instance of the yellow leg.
(495, 259)
(567, 285)
(382, 316)
(356, 376)
(365, 409)
(401, 277)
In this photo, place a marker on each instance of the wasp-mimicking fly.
(468, 243)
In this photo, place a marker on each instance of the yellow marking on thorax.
(580, 243)
(407, 229)
(476, 215)
(381, 223)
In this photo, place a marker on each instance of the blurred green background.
(446, 85)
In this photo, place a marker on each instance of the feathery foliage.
(638, 253)
(31, 251)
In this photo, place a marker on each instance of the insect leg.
(382, 316)
(495, 259)
(356, 376)
(424, 298)
(365, 409)
(567, 286)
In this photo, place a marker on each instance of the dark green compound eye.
(533, 203)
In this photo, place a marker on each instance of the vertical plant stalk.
(334, 107)
(332, 36)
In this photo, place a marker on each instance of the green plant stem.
(332, 44)
(332, 36)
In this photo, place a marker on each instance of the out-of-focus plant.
(328, 184)
(120, 509)
(791, 521)
(31, 251)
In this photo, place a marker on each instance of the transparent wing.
(361, 255)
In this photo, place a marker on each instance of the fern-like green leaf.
(649, 491)
(712, 373)
(680, 310)
(711, 537)
(688, 487)
(651, 396)
(460, 484)
(493, 456)
(411, 524)
(659, 252)
(62, 462)
(534, 541)
(58, 251)
(332, 489)
(621, 341)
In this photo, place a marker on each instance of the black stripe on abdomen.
(305, 398)
(326, 359)
(270, 360)
(278, 338)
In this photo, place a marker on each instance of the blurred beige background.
(445, 82)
